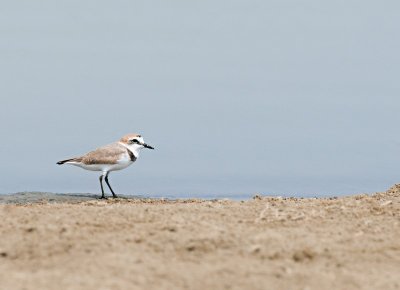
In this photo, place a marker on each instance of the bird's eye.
(134, 141)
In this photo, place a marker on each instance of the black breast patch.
(131, 155)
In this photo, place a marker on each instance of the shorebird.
(115, 156)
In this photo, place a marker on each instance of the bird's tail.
(64, 161)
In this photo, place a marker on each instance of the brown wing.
(108, 154)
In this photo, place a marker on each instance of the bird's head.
(135, 141)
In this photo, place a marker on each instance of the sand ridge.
(264, 243)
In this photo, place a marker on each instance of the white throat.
(134, 148)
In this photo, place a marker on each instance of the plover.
(115, 156)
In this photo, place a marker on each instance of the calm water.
(273, 97)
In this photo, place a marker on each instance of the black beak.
(147, 146)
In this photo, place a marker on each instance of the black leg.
(109, 186)
(101, 184)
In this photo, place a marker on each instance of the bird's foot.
(115, 196)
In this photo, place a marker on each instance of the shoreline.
(27, 197)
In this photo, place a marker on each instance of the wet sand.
(78, 242)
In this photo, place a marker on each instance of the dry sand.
(263, 243)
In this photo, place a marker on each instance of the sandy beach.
(350, 242)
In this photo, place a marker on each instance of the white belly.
(104, 167)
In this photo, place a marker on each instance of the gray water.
(241, 97)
